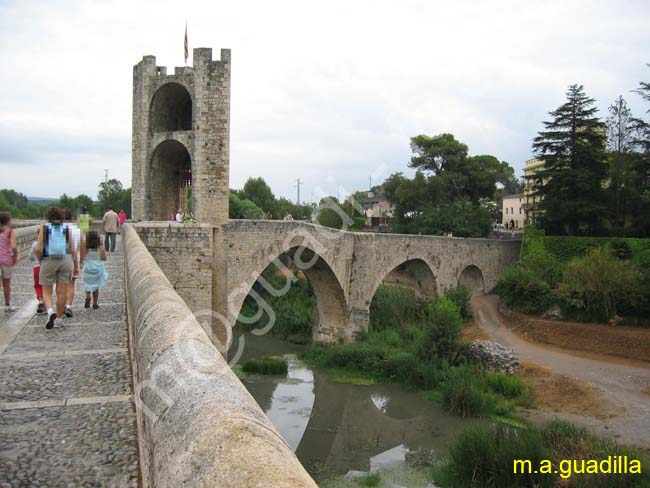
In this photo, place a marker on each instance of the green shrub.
(463, 396)
(509, 385)
(482, 456)
(470, 391)
(400, 366)
(294, 311)
(568, 441)
(393, 307)
(370, 480)
(620, 249)
(642, 262)
(267, 365)
(461, 296)
(444, 329)
(541, 263)
(595, 285)
(521, 289)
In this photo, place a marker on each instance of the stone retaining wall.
(197, 424)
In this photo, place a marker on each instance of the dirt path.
(622, 383)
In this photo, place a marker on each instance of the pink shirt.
(6, 252)
(122, 217)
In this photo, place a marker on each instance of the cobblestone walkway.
(67, 417)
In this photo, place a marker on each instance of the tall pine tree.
(569, 188)
(642, 167)
(620, 144)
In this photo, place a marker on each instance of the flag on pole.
(186, 47)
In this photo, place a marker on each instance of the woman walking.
(8, 257)
(93, 255)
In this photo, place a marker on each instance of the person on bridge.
(8, 257)
(110, 225)
(95, 275)
(83, 220)
(56, 252)
(121, 217)
(76, 237)
(36, 266)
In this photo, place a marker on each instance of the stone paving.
(67, 416)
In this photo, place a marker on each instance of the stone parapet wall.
(24, 237)
(184, 254)
(197, 424)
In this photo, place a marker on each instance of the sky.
(328, 92)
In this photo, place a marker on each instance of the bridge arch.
(171, 109)
(471, 277)
(170, 173)
(331, 304)
(414, 273)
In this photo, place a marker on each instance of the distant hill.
(41, 200)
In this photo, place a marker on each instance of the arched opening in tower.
(472, 278)
(171, 180)
(400, 298)
(171, 109)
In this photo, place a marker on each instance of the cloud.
(323, 91)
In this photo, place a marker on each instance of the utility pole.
(298, 186)
(105, 176)
(370, 183)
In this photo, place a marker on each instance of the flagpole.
(186, 49)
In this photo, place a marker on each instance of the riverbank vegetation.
(417, 344)
(289, 316)
(483, 456)
(266, 365)
(588, 279)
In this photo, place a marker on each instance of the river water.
(335, 427)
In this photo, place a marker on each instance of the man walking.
(110, 224)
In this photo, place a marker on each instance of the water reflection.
(380, 402)
(337, 426)
(291, 400)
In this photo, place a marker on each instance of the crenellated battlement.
(201, 56)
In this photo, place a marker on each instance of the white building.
(513, 211)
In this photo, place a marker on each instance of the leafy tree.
(569, 187)
(112, 194)
(298, 212)
(472, 177)
(597, 284)
(331, 214)
(257, 191)
(243, 208)
(14, 198)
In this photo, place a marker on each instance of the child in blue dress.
(93, 255)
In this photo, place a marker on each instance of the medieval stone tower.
(181, 134)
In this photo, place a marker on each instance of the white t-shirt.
(32, 255)
(179, 218)
(76, 238)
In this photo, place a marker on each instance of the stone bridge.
(215, 267)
